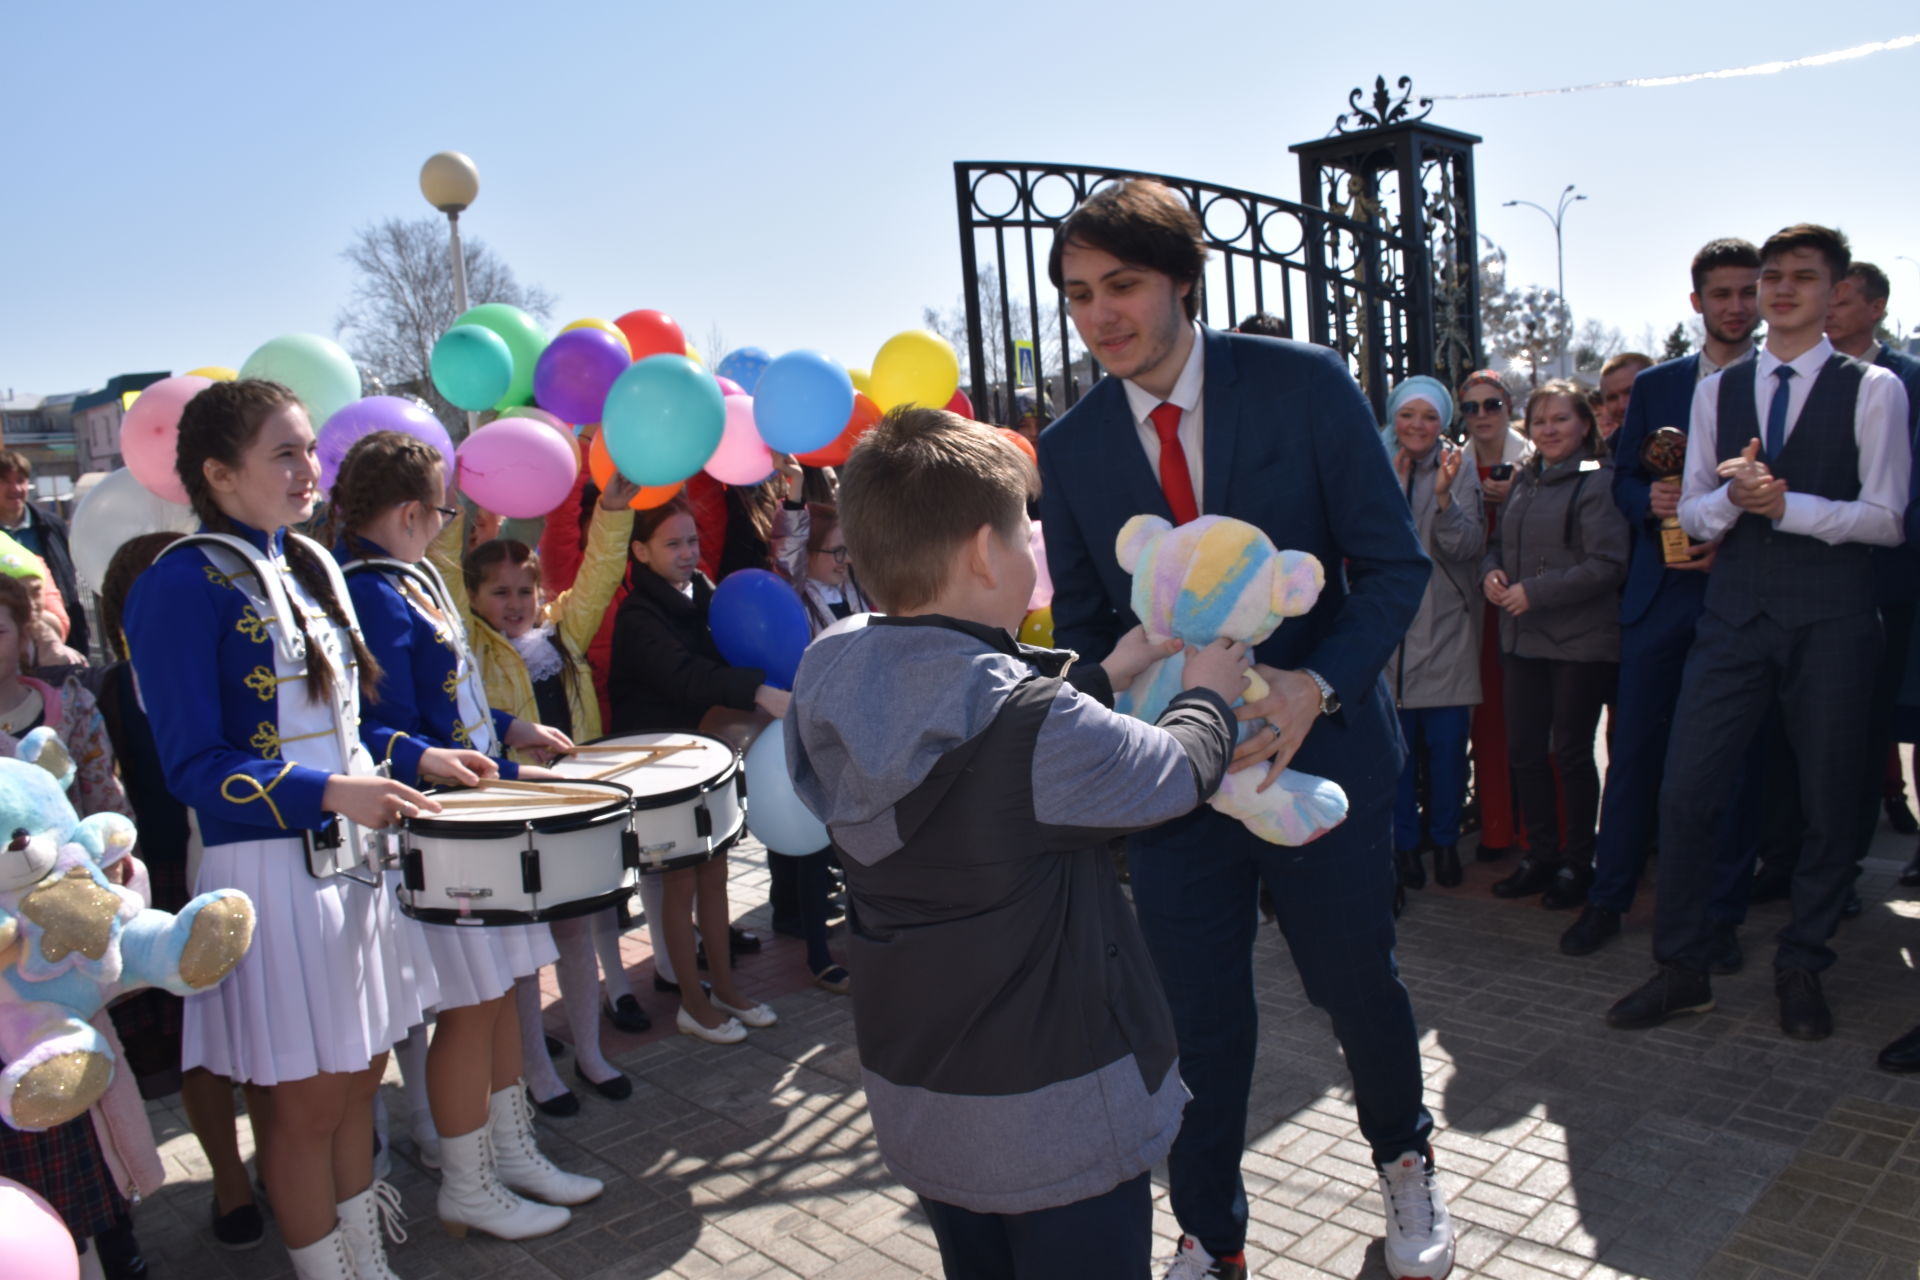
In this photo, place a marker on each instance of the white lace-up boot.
(472, 1195)
(364, 1220)
(324, 1259)
(517, 1154)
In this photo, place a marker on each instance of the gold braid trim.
(263, 682)
(393, 742)
(267, 740)
(253, 626)
(259, 792)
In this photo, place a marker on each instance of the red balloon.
(960, 404)
(865, 416)
(1023, 444)
(652, 333)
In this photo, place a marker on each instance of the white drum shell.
(492, 876)
(685, 821)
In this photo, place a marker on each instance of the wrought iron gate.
(1378, 263)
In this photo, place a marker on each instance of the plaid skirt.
(65, 1165)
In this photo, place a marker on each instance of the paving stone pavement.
(1712, 1148)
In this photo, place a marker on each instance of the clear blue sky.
(182, 178)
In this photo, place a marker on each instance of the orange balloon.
(1021, 443)
(865, 415)
(600, 467)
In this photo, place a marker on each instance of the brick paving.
(1712, 1148)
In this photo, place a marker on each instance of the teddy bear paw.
(43, 1092)
(1298, 809)
(219, 932)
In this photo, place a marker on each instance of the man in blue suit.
(1276, 433)
(1661, 602)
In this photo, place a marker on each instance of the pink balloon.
(741, 458)
(518, 467)
(150, 434)
(541, 415)
(1042, 580)
(728, 387)
(33, 1239)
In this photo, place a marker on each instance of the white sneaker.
(1193, 1262)
(1419, 1228)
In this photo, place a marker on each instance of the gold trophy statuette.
(1665, 457)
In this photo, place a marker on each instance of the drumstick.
(634, 748)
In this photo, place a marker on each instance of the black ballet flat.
(560, 1106)
(618, 1089)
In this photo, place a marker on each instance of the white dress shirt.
(1707, 368)
(1187, 394)
(1879, 430)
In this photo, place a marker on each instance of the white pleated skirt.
(477, 963)
(328, 983)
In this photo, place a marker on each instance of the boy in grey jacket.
(1016, 1050)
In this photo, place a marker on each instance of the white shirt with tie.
(1187, 393)
(1876, 517)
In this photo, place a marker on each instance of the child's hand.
(1221, 667)
(484, 527)
(790, 471)
(1134, 654)
(527, 735)
(453, 764)
(772, 701)
(619, 493)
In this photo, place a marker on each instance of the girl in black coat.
(666, 675)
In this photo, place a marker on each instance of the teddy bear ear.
(1297, 584)
(44, 748)
(1136, 539)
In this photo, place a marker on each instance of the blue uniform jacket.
(415, 706)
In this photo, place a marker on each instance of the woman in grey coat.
(1435, 673)
(1555, 576)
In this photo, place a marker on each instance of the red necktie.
(1175, 480)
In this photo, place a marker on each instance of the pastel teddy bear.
(1213, 578)
(71, 940)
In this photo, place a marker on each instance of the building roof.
(117, 386)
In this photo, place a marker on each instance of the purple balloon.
(378, 413)
(575, 371)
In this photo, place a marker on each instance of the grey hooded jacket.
(1015, 1047)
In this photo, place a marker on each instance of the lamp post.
(450, 182)
(1556, 216)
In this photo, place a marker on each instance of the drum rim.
(667, 799)
(494, 918)
(616, 809)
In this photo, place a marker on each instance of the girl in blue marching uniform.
(249, 661)
(390, 503)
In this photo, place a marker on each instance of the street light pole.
(450, 182)
(1556, 216)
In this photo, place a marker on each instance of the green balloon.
(316, 369)
(524, 339)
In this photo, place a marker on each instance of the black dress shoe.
(1590, 932)
(1668, 994)
(619, 1089)
(120, 1253)
(627, 1015)
(1413, 872)
(1910, 878)
(240, 1228)
(664, 987)
(1902, 1055)
(560, 1106)
(1900, 818)
(1446, 866)
(1568, 890)
(1491, 852)
(1530, 877)
(1724, 955)
(1803, 1010)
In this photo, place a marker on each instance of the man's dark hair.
(1825, 241)
(1144, 224)
(1873, 282)
(1728, 252)
(1264, 325)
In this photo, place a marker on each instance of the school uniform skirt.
(475, 964)
(328, 983)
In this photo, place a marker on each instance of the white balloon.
(774, 812)
(114, 510)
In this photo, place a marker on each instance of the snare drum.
(512, 858)
(688, 793)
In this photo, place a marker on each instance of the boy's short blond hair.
(917, 486)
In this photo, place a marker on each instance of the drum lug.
(740, 783)
(412, 871)
(530, 870)
(702, 820)
(630, 850)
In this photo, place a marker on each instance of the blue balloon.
(663, 419)
(803, 402)
(745, 367)
(757, 620)
(774, 812)
(472, 366)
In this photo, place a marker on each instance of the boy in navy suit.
(1276, 433)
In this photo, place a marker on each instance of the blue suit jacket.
(1662, 397)
(1290, 446)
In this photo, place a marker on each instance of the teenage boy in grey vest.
(1797, 464)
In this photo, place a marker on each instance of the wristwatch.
(1329, 700)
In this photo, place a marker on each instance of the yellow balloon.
(915, 367)
(605, 326)
(695, 356)
(218, 372)
(862, 381)
(1038, 628)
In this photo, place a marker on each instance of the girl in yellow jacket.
(532, 656)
